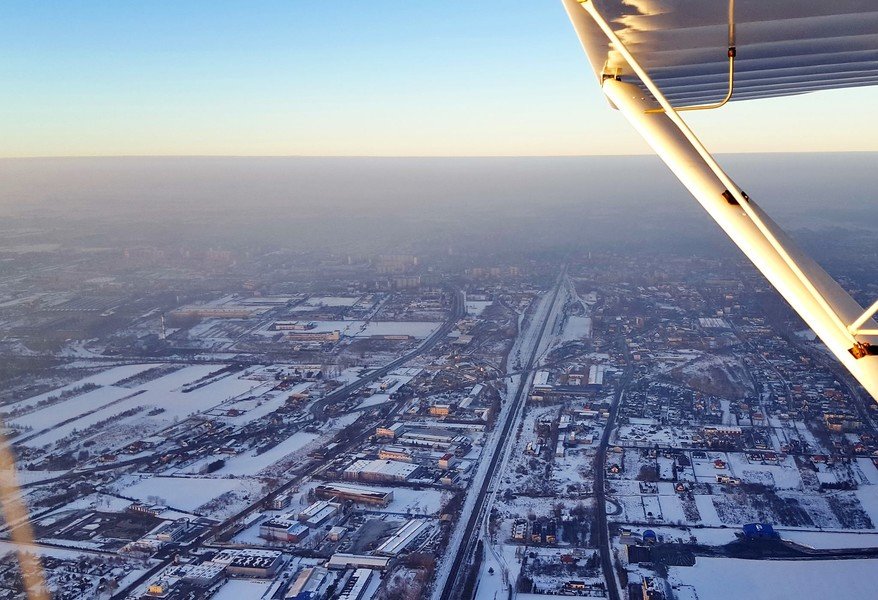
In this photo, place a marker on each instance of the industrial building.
(433, 435)
(398, 453)
(250, 562)
(406, 534)
(293, 326)
(283, 530)
(355, 586)
(390, 431)
(309, 585)
(205, 575)
(356, 494)
(313, 336)
(357, 561)
(319, 513)
(170, 531)
(381, 470)
(541, 382)
(596, 376)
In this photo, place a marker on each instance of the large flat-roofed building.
(355, 587)
(356, 494)
(390, 431)
(381, 470)
(440, 410)
(406, 534)
(319, 513)
(541, 382)
(204, 575)
(170, 531)
(293, 325)
(400, 453)
(596, 375)
(433, 438)
(431, 435)
(284, 530)
(250, 562)
(213, 312)
(309, 585)
(357, 561)
(313, 336)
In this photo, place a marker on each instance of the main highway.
(453, 583)
(600, 483)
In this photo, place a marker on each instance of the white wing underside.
(678, 49)
(785, 47)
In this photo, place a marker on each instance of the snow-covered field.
(410, 501)
(576, 329)
(417, 329)
(868, 497)
(164, 393)
(783, 476)
(830, 540)
(476, 307)
(184, 493)
(246, 464)
(71, 407)
(726, 578)
(6, 547)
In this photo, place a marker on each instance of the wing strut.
(821, 302)
(733, 52)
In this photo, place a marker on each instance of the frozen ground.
(831, 540)
(868, 497)
(245, 464)
(108, 377)
(726, 578)
(6, 547)
(407, 500)
(476, 307)
(70, 408)
(166, 393)
(184, 493)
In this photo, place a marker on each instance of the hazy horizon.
(356, 205)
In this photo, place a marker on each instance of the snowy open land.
(184, 493)
(170, 394)
(246, 463)
(727, 578)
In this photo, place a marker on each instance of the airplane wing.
(657, 58)
(784, 47)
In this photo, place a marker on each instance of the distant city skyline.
(307, 78)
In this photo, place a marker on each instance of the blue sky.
(314, 77)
